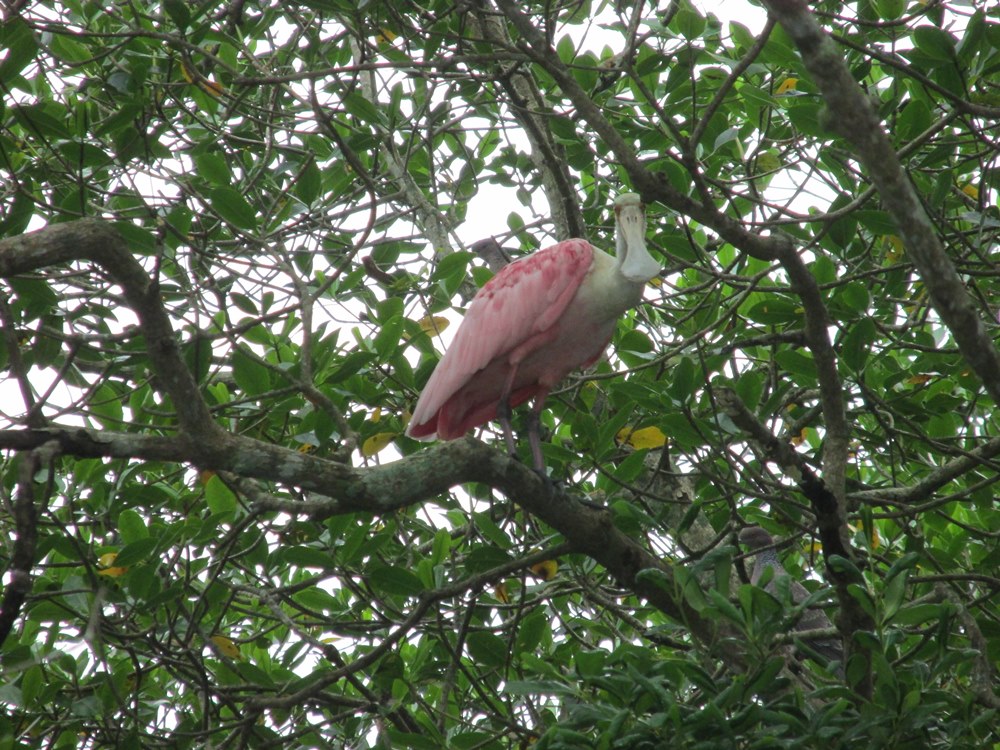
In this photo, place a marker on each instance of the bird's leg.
(504, 412)
(554, 486)
(535, 437)
(503, 417)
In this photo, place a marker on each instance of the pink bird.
(529, 326)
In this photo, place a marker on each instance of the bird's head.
(634, 260)
(754, 538)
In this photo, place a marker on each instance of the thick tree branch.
(919, 491)
(382, 489)
(853, 617)
(417, 478)
(98, 242)
(777, 247)
(25, 521)
(852, 116)
(831, 389)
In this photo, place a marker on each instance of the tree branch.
(25, 521)
(98, 241)
(853, 118)
(414, 479)
(853, 617)
(532, 112)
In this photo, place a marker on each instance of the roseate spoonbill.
(539, 318)
(759, 543)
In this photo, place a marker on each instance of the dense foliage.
(255, 218)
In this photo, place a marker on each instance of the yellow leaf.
(647, 437)
(211, 87)
(918, 379)
(433, 325)
(971, 190)
(386, 35)
(107, 559)
(501, 593)
(106, 565)
(206, 476)
(376, 415)
(194, 77)
(227, 647)
(895, 249)
(789, 84)
(546, 569)
(376, 442)
(876, 541)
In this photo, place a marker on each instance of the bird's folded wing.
(513, 308)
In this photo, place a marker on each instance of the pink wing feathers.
(506, 321)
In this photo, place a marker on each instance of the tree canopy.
(232, 238)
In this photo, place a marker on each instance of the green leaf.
(441, 548)
(387, 340)
(878, 222)
(688, 21)
(890, 10)
(856, 346)
(854, 297)
(395, 580)
(905, 563)
(893, 596)
(798, 364)
(309, 183)
(139, 239)
(684, 379)
(131, 526)
(251, 376)
(178, 12)
(69, 50)
(351, 365)
(136, 552)
(364, 110)
(214, 168)
(915, 614)
(230, 204)
(219, 497)
(487, 649)
(106, 406)
(533, 628)
(775, 310)
(307, 557)
(934, 42)
(724, 606)
(452, 270)
(18, 40)
(17, 214)
(45, 120)
(566, 49)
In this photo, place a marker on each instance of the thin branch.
(533, 113)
